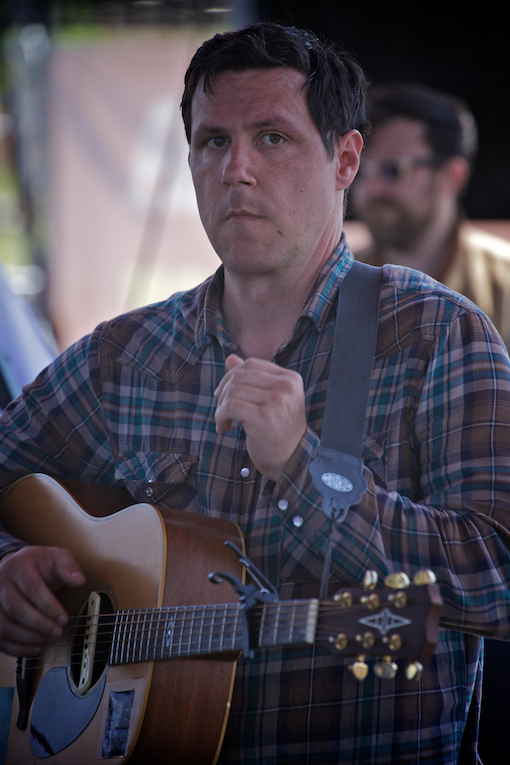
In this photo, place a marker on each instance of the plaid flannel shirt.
(133, 404)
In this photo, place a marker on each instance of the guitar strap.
(337, 472)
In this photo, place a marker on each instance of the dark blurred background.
(53, 51)
(459, 48)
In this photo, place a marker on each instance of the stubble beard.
(399, 229)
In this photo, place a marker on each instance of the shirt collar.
(324, 292)
(316, 309)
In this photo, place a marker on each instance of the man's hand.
(270, 403)
(30, 615)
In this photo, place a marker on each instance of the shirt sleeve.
(56, 426)
(454, 517)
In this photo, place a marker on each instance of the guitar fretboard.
(164, 633)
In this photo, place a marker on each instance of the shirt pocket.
(159, 478)
(375, 456)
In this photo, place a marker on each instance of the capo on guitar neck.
(249, 595)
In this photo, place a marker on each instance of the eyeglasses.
(394, 170)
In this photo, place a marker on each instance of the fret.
(167, 640)
(276, 616)
(115, 641)
(199, 628)
(135, 623)
(204, 625)
(133, 632)
(288, 622)
(149, 637)
(121, 636)
(179, 647)
(190, 630)
(128, 637)
(207, 634)
(292, 623)
(142, 639)
(205, 630)
(237, 632)
(131, 637)
(222, 627)
(226, 630)
(157, 635)
(216, 630)
(261, 641)
(122, 646)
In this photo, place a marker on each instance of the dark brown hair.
(335, 84)
(450, 127)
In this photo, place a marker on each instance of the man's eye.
(217, 141)
(390, 171)
(273, 139)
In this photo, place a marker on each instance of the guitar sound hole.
(103, 641)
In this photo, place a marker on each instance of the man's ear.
(455, 172)
(347, 156)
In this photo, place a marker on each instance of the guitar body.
(147, 712)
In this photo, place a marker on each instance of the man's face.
(398, 195)
(267, 193)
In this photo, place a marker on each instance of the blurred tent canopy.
(97, 209)
(93, 156)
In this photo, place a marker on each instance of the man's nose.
(238, 166)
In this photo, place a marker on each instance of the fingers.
(240, 393)
(233, 361)
(223, 423)
(246, 387)
(269, 401)
(31, 616)
(256, 380)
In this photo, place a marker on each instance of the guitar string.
(186, 615)
(138, 631)
(187, 618)
(286, 605)
(352, 644)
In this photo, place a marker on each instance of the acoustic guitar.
(145, 668)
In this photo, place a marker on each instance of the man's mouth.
(238, 216)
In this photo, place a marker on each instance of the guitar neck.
(164, 633)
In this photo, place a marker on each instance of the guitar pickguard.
(59, 717)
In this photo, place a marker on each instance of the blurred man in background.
(414, 171)
(413, 174)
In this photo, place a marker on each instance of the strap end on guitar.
(338, 477)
